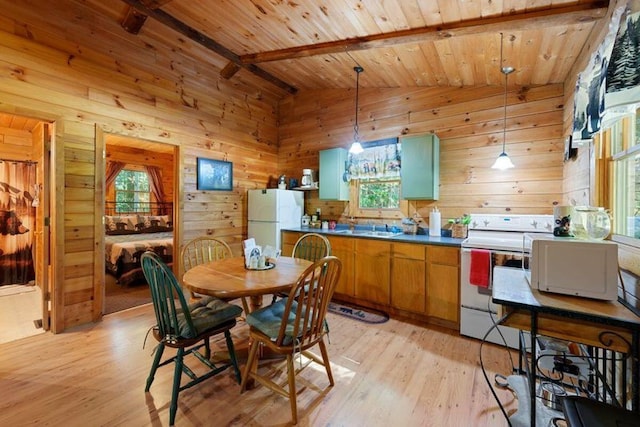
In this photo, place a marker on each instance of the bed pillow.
(154, 223)
(125, 224)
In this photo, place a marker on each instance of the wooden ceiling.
(314, 44)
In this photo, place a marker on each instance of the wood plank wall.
(110, 81)
(469, 123)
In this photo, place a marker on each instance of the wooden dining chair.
(310, 246)
(202, 250)
(293, 325)
(186, 328)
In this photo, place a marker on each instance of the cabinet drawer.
(341, 243)
(443, 255)
(372, 247)
(409, 251)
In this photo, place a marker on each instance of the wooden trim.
(98, 226)
(198, 37)
(57, 229)
(559, 16)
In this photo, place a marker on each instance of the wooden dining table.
(229, 279)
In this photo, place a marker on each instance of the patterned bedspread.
(122, 251)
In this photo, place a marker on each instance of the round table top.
(228, 278)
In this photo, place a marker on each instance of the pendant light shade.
(503, 161)
(356, 147)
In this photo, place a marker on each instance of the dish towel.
(480, 266)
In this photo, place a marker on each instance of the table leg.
(255, 303)
(532, 368)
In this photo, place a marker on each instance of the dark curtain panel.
(156, 186)
(113, 168)
(17, 222)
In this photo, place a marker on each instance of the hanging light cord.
(506, 74)
(358, 69)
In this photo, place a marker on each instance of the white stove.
(504, 231)
(502, 237)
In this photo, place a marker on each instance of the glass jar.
(598, 224)
(590, 222)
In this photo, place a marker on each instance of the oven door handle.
(497, 252)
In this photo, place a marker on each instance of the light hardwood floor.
(386, 374)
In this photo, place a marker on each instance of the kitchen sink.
(370, 233)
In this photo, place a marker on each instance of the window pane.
(627, 197)
(379, 195)
(132, 191)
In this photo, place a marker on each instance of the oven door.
(477, 297)
(477, 312)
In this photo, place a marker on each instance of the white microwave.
(565, 265)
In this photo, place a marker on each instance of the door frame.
(100, 194)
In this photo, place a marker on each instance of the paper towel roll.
(434, 224)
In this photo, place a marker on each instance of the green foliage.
(132, 187)
(379, 195)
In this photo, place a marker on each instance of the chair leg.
(154, 366)
(177, 376)
(232, 355)
(291, 373)
(207, 349)
(325, 359)
(251, 361)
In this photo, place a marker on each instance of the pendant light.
(503, 161)
(356, 147)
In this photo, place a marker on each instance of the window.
(133, 192)
(623, 137)
(379, 195)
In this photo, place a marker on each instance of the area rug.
(362, 314)
(118, 297)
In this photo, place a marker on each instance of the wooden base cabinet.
(342, 247)
(411, 280)
(443, 283)
(408, 277)
(372, 270)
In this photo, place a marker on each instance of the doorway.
(24, 237)
(139, 200)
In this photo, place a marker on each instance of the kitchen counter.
(365, 232)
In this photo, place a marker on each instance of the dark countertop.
(360, 233)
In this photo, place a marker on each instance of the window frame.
(381, 213)
(137, 207)
(605, 168)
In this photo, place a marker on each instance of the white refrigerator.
(271, 210)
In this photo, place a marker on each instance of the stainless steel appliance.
(502, 236)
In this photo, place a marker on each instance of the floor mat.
(358, 313)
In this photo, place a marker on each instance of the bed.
(131, 232)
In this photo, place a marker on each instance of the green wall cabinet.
(332, 166)
(420, 167)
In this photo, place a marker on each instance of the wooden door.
(443, 283)
(408, 277)
(42, 138)
(372, 270)
(342, 247)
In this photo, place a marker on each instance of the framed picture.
(214, 175)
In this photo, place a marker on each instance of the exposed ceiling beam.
(557, 16)
(134, 20)
(182, 28)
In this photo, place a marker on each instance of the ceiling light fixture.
(503, 161)
(356, 147)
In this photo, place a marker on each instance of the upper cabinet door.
(420, 167)
(332, 167)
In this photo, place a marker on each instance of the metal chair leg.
(232, 355)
